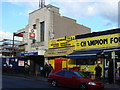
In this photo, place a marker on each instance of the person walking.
(51, 68)
(26, 68)
(48, 69)
(98, 72)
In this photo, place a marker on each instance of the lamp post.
(113, 58)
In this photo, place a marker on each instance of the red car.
(73, 79)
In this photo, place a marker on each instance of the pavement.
(32, 77)
(108, 86)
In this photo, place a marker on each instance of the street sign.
(32, 35)
(113, 55)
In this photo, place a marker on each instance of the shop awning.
(84, 54)
(109, 51)
(58, 52)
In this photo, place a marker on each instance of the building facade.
(45, 24)
(6, 48)
(85, 51)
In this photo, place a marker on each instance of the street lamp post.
(113, 58)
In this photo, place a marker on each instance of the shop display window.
(85, 61)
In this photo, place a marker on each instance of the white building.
(44, 24)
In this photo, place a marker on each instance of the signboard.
(29, 54)
(58, 52)
(20, 63)
(67, 41)
(98, 42)
(12, 60)
(113, 55)
(32, 33)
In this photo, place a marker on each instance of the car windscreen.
(81, 75)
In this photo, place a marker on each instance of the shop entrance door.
(60, 63)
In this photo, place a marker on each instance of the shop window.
(85, 61)
(33, 41)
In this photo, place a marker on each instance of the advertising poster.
(20, 63)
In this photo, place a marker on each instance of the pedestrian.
(5, 67)
(26, 69)
(41, 70)
(11, 68)
(98, 72)
(51, 68)
(47, 69)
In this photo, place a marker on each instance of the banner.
(58, 52)
(67, 41)
(98, 42)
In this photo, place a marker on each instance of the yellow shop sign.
(98, 42)
(67, 41)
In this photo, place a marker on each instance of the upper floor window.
(33, 41)
(34, 26)
(42, 29)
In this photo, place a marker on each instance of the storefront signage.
(32, 33)
(58, 52)
(62, 42)
(20, 63)
(113, 55)
(98, 42)
(29, 54)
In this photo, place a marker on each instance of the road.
(15, 83)
(12, 82)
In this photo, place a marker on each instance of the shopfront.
(97, 47)
(58, 49)
(35, 61)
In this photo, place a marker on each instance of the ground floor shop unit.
(88, 59)
(35, 61)
(57, 58)
(14, 64)
(60, 63)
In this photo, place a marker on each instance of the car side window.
(69, 74)
(61, 73)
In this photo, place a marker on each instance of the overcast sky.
(99, 15)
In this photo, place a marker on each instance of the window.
(42, 28)
(80, 74)
(85, 62)
(69, 74)
(34, 41)
(61, 73)
(34, 26)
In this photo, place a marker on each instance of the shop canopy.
(109, 51)
(58, 52)
(84, 54)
